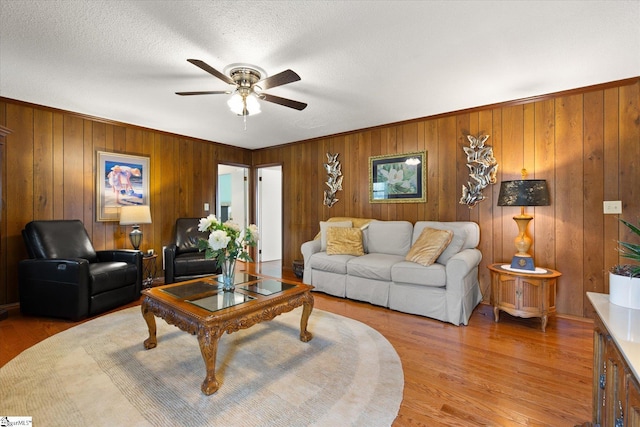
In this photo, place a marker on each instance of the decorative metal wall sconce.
(334, 179)
(483, 169)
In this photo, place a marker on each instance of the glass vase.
(229, 274)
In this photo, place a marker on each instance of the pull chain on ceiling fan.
(248, 88)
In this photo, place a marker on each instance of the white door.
(270, 213)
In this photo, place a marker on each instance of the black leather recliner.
(66, 277)
(182, 260)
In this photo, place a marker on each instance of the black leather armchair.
(182, 260)
(66, 277)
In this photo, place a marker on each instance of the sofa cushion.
(453, 248)
(323, 230)
(429, 246)
(390, 237)
(373, 266)
(409, 272)
(344, 241)
(361, 223)
(466, 235)
(331, 263)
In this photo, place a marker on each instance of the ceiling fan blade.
(209, 69)
(279, 79)
(206, 92)
(283, 101)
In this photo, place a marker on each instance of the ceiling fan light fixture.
(236, 104)
(253, 106)
(244, 104)
(245, 98)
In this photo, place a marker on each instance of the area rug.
(98, 373)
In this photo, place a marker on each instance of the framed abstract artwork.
(398, 178)
(121, 180)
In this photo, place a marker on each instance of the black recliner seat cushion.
(194, 263)
(107, 276)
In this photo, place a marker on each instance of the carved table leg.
(152, 341)
(544, 322)
(208, 340)
(307, 307)
(496, 314)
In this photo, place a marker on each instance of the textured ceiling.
(362, 63)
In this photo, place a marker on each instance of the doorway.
(233, 195)
(269, 206)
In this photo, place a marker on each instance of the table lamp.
(135, 215)
(524, 192)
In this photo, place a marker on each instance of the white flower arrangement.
(226, 241)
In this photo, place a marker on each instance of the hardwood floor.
(484, 374)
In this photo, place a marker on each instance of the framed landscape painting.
(121, 180)
(398, 178)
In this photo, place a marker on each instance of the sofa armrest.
(69, 271)
(459, 266)
(54, 287)
(309, 248)
(129, 256)
(169, 257)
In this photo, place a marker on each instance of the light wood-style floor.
(485, 374)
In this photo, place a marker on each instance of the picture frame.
(398, 178)
(121, 180)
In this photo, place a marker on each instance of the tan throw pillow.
(324, 225)
(429, 246)
(344, 241)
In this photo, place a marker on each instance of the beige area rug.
(98, 374)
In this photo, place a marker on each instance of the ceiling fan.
(248, 87)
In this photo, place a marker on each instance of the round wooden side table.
(523, 293)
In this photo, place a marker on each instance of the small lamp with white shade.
(135, 215)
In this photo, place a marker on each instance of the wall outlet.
(206, 207)
(612, 207)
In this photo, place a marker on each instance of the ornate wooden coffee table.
(201, 308)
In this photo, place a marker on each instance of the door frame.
(257, 202)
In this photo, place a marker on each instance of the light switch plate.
(613, 207)
(206, 207)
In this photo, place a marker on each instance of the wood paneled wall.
(49, 172)
(585, 143)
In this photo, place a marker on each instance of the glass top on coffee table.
(221, 300)
(209, 294)
(240, 278)
(266, 287)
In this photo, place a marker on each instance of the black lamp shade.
(524, 192)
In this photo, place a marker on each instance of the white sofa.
(447, 290)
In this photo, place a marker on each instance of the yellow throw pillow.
(430, 244)
(344, 241)
(325, 225)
